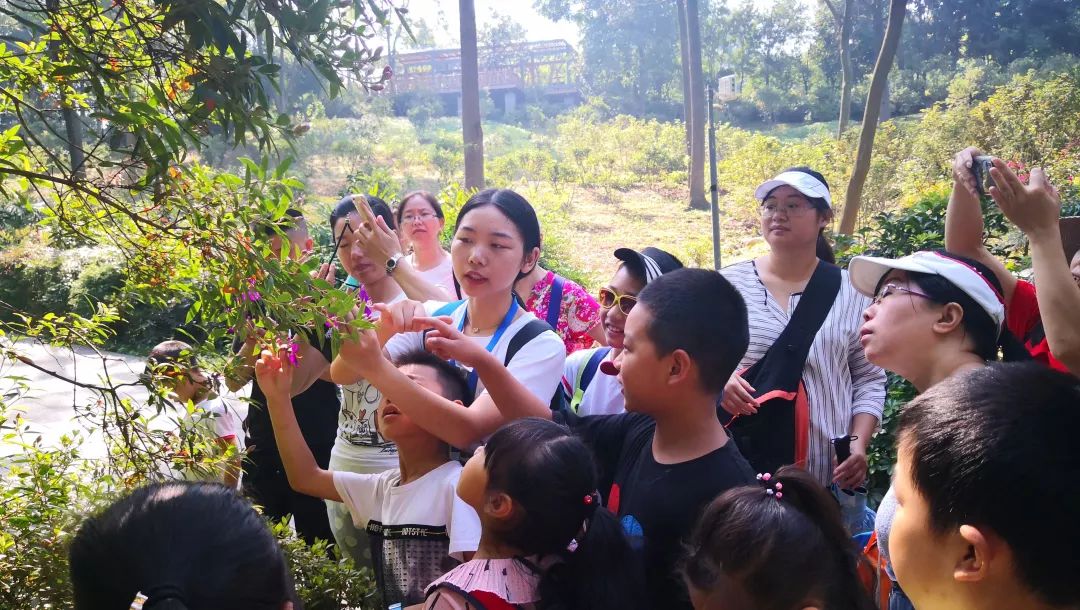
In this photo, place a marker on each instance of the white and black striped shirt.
(840, 382)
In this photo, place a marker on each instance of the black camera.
(980, 167)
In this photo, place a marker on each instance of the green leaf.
(68, 70)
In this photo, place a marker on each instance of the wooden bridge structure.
(547, 67)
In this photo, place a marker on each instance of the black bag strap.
(785, 360)
(527, 333)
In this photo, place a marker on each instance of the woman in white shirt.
(845, 392)
(496, 242)
(420, 220)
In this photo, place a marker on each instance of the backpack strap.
(447, 309)
(555, 302)
(585, 376)
(782, 365)
(527, 333)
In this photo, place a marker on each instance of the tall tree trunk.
(847, 78)
(681, 4)
(890, 41)
(697, 108)
(471, 131)
(72, 125)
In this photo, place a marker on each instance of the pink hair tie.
(772, 489)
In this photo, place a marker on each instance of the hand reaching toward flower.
(274, 371)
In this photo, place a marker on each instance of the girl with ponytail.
(546, 543)
(780, 545)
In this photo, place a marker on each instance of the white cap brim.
(866, 273)
(800, 181)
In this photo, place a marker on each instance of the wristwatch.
(392, 263)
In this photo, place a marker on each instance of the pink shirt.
(579, 312)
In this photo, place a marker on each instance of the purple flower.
(252, 295)
(232, 330)
(293, 353)
(365, 301)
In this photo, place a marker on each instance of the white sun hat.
(866, 273)
(799, 180)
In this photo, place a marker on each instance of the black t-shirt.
(316, 411)
(657, 504)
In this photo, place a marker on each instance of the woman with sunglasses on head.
(933, 315)
(839, 392)
(420, 220)
(589, 377)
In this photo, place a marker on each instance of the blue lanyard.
(505, 324)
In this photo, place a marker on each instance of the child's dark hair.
(347, 205)
(184, 545)
(701, 313)
(169, 358)
(1006, 426)
(785, 553)
(982, 329)
(427, 197)
(552, 479)
(824, 248)
(453, 379)
(514, 207)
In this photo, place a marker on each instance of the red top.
(1023, 320)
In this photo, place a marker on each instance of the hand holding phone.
(980, 168)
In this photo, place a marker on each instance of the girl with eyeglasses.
(589, 376)
(421, 221)
(933, 315)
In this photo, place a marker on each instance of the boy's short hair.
(453, 379)
(996, 448)
(170, 354)
(701, 313)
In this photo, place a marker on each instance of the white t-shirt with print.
(358, 446)
(538, 365)
(414, 528)
(604, 395)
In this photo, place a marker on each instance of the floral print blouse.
(579, 312)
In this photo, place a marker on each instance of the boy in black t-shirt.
(668, 456)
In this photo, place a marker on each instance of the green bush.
(46, 493)
(35, 279)
(100, 281)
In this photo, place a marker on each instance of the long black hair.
(515, 207)
(824, 248)
(184, 545)
(785, 552)
(551, 477)
(984, 332)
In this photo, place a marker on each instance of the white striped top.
(840, 382)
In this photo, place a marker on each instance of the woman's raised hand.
(378, 242)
